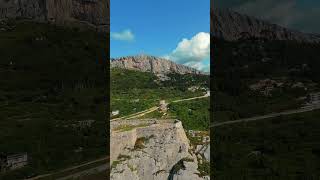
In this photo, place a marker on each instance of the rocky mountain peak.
(156, 65)
(93, 13)
(231, 26)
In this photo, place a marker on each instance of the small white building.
(115, 113)
(207, 94)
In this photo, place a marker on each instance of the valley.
(52, 97)
(266, 86)
(157, 114)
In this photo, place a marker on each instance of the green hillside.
(291, 67)
(279, 148)
(134, 91)
(51, 78)
(285, 147)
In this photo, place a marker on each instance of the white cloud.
(199, 66)
(125, 35)
(192, 52)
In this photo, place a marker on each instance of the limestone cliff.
(90, 12)
(152, 64)
(231, 26)
(153, 150)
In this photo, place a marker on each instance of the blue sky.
(175, 29)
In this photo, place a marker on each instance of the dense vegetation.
(134, 91)
(280, 148)
(285, 147)
(243, 63)
(193, 114)
(51, 78)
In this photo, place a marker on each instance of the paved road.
(257, 118)
(188, 99)
(144, 113)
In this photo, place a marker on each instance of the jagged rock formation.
(231, 26)
(151, 149)
(152, 64)
(89, 12)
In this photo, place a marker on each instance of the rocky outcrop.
(94, 13)
(152, 64)
(231, 26)
(151, 149)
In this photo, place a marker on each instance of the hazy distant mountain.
(88, 12)
(152, 64)
(231, 26)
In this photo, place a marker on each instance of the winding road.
(154, 108)
(87, 171)
(263, 117)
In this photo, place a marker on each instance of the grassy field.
(51, 78)
(279, 148)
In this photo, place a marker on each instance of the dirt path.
(257, 118)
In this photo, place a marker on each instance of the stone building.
(17, 161)
(163, 106)
(12, 162)
(314, 98)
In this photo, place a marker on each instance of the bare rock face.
(90, 12)
(155, 150)
(152, 64)
(30, 9)
(232, 26)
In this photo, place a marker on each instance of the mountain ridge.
(92, 13)
(231, 26)
(148, 63)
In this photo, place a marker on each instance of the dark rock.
(232, 26)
